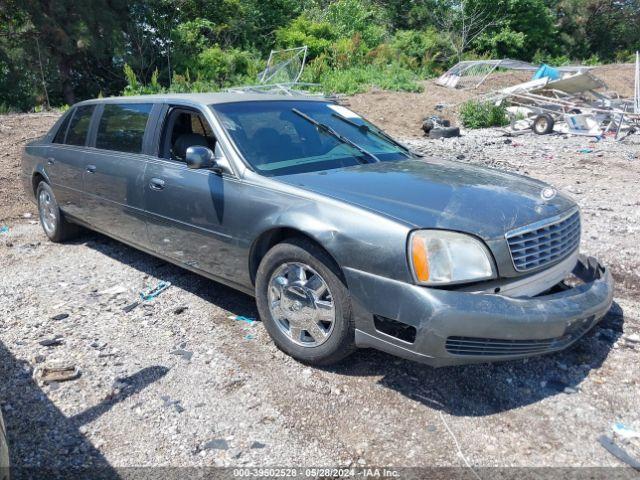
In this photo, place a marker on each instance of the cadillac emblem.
(548, 193)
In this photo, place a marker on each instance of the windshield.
(287, 137)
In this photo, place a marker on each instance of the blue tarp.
(546, 71)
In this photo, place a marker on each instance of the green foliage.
(225, 67)
(360, 79)
(554, 60)
(423, 51)
(84, 49)
(479, 114)
(505, 43)
(317, 36)
(351, 17)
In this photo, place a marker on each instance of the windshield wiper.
(377, 132)
(327, 129)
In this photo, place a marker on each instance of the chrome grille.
(544, 242)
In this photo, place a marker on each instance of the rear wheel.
(304, 304)
(52, 219)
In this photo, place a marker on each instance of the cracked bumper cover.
(454, 327)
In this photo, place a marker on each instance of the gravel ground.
(177, 382)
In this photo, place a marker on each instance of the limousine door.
(187, 208)
(114, 172)
(65, 158)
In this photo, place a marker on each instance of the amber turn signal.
(420, 259)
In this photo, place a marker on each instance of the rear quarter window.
(122, 127)
(79, 125)
(62, 129)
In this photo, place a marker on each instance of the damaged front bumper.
(449, 327)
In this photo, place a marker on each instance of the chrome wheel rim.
(48, 211)
(301, 304)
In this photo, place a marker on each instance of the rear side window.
(62, 131)
(79, 126)
(122, 127)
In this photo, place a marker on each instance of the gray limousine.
(345, 237)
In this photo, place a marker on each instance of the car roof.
(204, 98)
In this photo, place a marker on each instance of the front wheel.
(304, 304)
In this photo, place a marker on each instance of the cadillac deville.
(345, 237)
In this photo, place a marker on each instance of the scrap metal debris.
(130, 307)
(473, 73)
(573, 103)
(153, 292)
(625, 432)
(57, 374)
(618, 452)
(240, 318)
(51, 342)
(187, 355)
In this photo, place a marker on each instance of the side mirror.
(200, 157)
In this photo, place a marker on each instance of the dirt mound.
(15, 131)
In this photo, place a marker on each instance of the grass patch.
(477, 114)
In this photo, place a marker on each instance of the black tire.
(56, 227)
(427, 125)
(430, 123)
(445, 132)
(340, 342)
(543, 124)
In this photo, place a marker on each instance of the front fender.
(354, 237)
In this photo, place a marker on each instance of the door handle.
(91, 169)
(51, 161)
(156, 184)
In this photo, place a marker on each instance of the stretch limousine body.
(344, 236)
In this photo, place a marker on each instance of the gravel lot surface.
(179, 381)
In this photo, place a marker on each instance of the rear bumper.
(27, 186)
(453, 327)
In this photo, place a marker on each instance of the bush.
(350, 17)
(478, 114)
(226, 67)
(425, 51)
(363, 78)
(317, 36)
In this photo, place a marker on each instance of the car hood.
(434, 193)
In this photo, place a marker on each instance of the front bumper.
(449, 327)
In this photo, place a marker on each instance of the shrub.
(358, 16)
(478, 114)
(317, 36)
(225, 67)
(363, 78)
(426, 51)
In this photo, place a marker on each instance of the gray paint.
(214, 222)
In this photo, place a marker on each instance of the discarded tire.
(427, 125)
(445, 132)
(543, 124)
(434, 122)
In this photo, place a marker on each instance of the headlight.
(438, 257)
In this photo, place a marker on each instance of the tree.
(464, 21)
(77, 37)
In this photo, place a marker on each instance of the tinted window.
(281, 138)
(79, 126)
(122, 127)
(62, 131)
